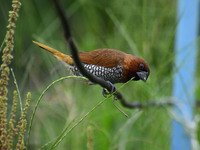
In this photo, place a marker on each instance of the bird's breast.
(112, 74)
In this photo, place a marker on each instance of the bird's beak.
(143, 75)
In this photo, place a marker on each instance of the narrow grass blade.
(17, 87)
(39, 99)
(65, 132)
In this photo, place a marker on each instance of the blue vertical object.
(185, 69)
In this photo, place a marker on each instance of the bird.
(111, 65)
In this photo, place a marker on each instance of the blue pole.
(185, 69)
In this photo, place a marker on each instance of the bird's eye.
(141, 66)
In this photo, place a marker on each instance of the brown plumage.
(109, 64)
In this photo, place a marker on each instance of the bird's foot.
(105, 92)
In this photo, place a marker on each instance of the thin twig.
(84, 72)
(74, 50)
(119, 108)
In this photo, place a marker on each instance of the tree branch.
(91, 77)
(74, 49)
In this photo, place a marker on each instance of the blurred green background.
(141, 27)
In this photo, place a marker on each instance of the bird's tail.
(65, 58)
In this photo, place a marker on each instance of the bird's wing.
(103, 57)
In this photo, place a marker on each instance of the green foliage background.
(141, 27)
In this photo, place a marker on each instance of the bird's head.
(136, 67)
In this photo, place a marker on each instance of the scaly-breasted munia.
(109, 64)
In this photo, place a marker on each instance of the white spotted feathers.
(112, 74)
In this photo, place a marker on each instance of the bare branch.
(84, 72)
(74, 49)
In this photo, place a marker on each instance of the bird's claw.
(105, 92)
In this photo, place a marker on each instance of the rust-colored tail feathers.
(65, 58)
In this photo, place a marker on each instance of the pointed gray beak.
(143, 75)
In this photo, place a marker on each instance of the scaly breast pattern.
(113, 74)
